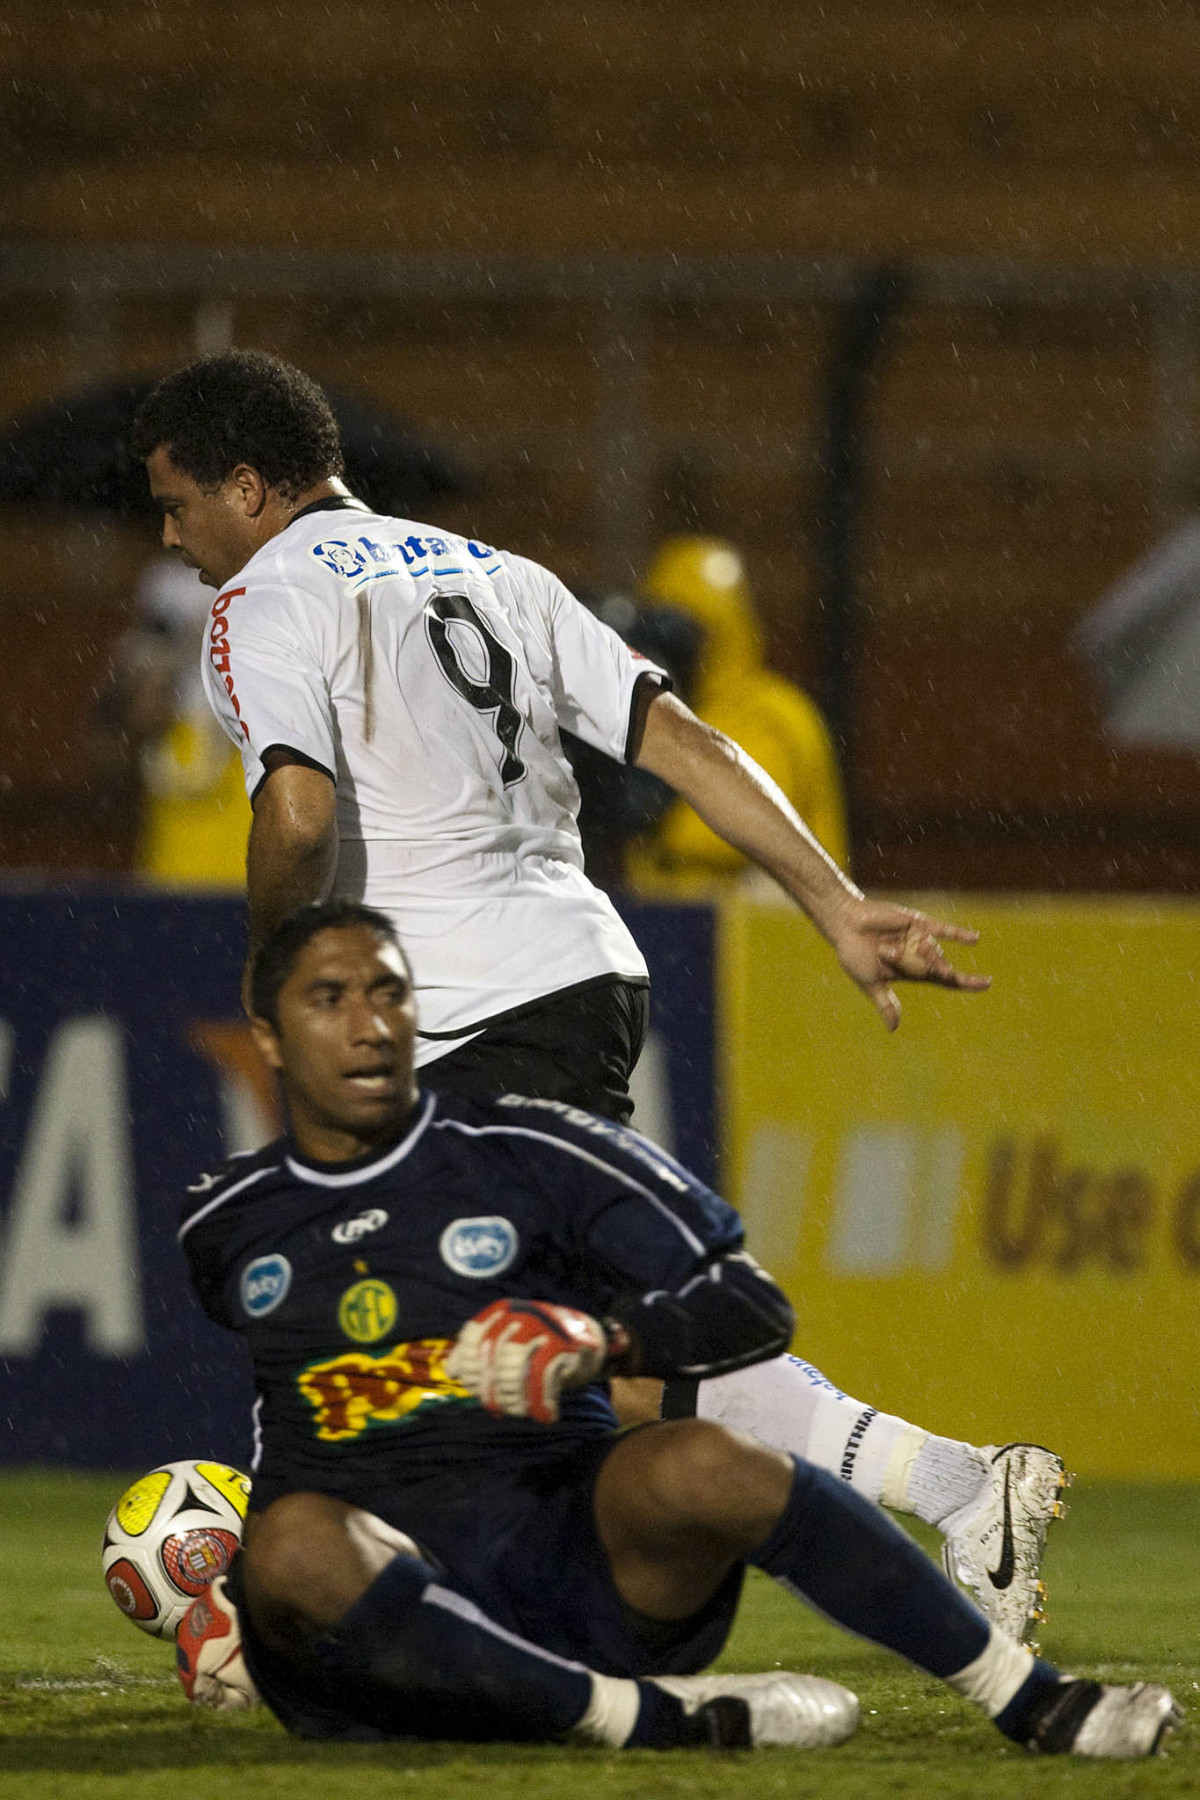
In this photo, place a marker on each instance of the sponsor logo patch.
(358, 1392)
(337, 555)
(366, 556)
(854, 1442)
(479, 1247)
(264, 1284)
(351, 1230)
(367, 1311)
(218, 649)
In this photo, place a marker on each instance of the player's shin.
(426, 1662)
(847, 1558)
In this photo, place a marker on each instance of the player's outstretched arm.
(876, 942)
(292, 854)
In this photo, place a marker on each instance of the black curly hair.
(242, 406)
(277, 957)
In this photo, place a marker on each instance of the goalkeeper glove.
(208, 1653)
(517, 1356)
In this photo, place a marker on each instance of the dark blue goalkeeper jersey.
(349, 1282)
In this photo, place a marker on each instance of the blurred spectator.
(158, 742)
(699, 619)
(616, 800)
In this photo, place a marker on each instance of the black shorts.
(525, 1550)
(579, 1046)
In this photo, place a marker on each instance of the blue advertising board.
(125, 1070)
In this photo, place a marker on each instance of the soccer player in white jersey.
(397, 694)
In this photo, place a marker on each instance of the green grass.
(90, 1706)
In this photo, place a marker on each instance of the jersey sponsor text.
(350, 1394)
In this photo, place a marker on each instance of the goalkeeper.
(448, 1537)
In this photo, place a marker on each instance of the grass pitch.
(89, 1706)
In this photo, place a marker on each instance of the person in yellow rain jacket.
(700, 582)
(157, 736)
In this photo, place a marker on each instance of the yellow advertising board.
(990, 1221)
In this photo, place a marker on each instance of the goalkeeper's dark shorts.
(524, 1550)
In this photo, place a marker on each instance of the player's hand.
(208, 1653)
(517, 1356)
(878, 943)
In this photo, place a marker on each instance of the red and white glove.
(208, 1653)
(517, 1356)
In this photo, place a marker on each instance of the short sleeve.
(594, 672)
(208, 1280)
(264, 682)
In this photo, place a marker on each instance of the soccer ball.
(169, 1536)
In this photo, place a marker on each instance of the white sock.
(612, 1712)
(943, 1476)
(789, 1405)
(996, 1674)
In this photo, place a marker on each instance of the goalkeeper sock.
(842, 1554)
(846, 1557)
(416, 1659)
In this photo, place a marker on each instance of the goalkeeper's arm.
(728, 1315)
(519, 1356)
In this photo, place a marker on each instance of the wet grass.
(90, 1706)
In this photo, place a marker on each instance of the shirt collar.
(332, 503)
(361, 1168)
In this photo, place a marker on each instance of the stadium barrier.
(989, 1222)
(126, 1071)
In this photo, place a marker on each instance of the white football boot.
(1087, 1718)
(208, 1653)
(743, 1712)
(993, 1545)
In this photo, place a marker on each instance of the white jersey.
(428, 675)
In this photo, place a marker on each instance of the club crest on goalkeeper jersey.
(429, 675)
(349, 1282)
